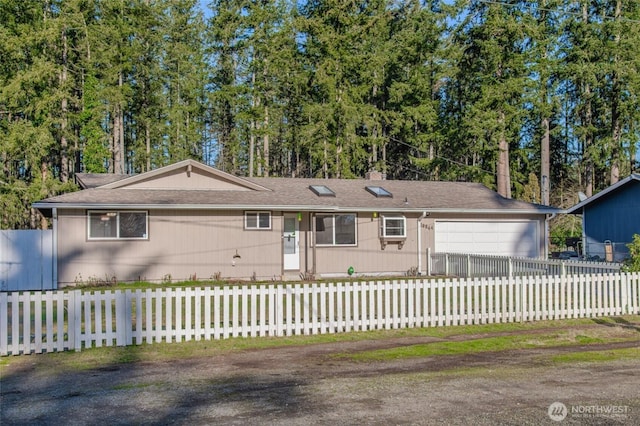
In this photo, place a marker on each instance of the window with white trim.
(257, 220)
(336, 229)
(118, 225)
(393, 227)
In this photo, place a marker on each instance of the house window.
(393, 227)
(113, 225)
(257, 220)
(336, 229)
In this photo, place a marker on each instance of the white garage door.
(513, 238)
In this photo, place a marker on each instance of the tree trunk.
(616, 130)
(64, 144)
(265, 141)
(252, 136)
(252, 147)
(504, 177)
(588, 141)
(113, 166)
(325, 159)
(44, 170)
(545, 160)
(147, 139)
(121, 149)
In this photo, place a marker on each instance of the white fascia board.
(600, 194)
(315, 208)
(103, 206)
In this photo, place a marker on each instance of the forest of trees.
(535, 99)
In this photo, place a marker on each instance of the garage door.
(513, 238)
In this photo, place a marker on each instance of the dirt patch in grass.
(328, 383)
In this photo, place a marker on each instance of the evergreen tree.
(344, 49)
(419, 71)
(494, 61)
(621, 35)
(36, 103)
(226, 34)
(183, 77)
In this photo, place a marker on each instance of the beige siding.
(181, 244)
(180, 179)
(368, 257)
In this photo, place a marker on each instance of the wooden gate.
(27, 260)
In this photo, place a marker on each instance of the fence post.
(279, 310)
(446, 264)
(563, 269)
(429, 261)
(624, 296)
(510, 268)
(4, 313)
(76, 296)
(121, 318)
(71, 335)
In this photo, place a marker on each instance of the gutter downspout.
(424, 214)
(546, 234)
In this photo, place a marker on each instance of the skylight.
(379, 191)
(322, 191)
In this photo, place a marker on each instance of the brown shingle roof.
(294, 194)
(94, 180)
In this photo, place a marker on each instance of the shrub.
(633, 264)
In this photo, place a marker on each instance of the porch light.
(299, 216)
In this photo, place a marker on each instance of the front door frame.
(290, 242)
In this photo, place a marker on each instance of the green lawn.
(463, 340)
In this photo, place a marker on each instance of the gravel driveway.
(303, 385)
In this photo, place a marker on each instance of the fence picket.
(618, 293)
(471, 265)
(37, 326)
(346, 319)
(63, 320)
(323, 294)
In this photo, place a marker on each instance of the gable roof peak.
(577, 209)
(187, 166)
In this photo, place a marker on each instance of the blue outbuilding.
(610, 219)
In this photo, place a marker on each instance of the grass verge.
(470, 339)
(598, 356)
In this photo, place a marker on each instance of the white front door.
(291, 238)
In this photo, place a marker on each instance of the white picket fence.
(36, 322)
(478, 265)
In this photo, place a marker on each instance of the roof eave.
(315, 208)
(578, 208)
